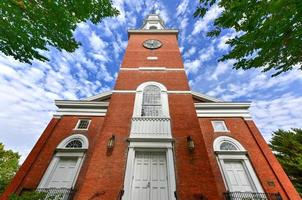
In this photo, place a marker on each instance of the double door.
(237, 176)
(150, 179)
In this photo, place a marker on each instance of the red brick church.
(152, 138)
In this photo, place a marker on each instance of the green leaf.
(29, 25)
(270, 33)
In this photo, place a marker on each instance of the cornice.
(153, 31)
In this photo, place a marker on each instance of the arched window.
(151, 105)
(151, 100)
(228, 146)
(236, 169)
(67, 160)
(74, 144)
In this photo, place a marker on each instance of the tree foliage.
(269, 32)
(8, 166)
(28, 26)
(29, 195)
(287, 146)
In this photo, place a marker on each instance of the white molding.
(224, 126)
(179, 92)
(80, 104)
(160, 31)
(239, 155)
(151, 69)
(152, 58)
(79, 112)
(149, 146)
(88, 114)
(81, 107)
(223, 109)
(150, 127)
(100, 96)
(77, 153)
(139, 99)
(82, 138)
(219, 140)
(242, 105)
(168, 91)
(76, 127)
(204, 97)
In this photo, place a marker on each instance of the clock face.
(152, 44)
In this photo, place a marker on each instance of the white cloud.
(192, 66)
(279, 113)
(96, 42)
(202, 25)
(182, 7)
(221, 68)
(222, 40)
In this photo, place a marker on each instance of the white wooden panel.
(64, 173)
(150, 176)
(159, 185)
(150, 127)
(237, 177)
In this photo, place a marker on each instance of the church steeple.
(153, 21)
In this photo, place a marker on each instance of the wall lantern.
(190, 143)
(111, 142)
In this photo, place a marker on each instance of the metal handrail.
(56, 193)
(251, 196)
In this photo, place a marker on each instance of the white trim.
(223, 109)
(225, 129)
(144, 31)
(77, 153)
(149, 146)
(100, 96)
(167, 91)
(204, 97)
(139, 99)
(152, 58)
(82, 138)
(81, 107)
(218, 141)
(238, 155)
(151, 69)
(82, 129)
(59, 114)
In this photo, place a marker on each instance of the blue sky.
(27, 92)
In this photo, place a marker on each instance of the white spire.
(153, 21)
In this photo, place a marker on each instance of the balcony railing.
(56, 193)
(150, 127)
(251, 196)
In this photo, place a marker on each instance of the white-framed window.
(219, 126)
(82, 124)
(151, 100)
(151, 106)
(66, 163)
(236, 169)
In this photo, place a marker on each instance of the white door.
(150, 176)
(237, 177)
(64, 173)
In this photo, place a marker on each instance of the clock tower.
(152, 138)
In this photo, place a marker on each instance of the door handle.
(148, 185)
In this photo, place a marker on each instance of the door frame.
(54, 163)
(255, 184)
(150, 147)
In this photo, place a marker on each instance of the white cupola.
(153, 22)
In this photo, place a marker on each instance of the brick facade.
(197, 173)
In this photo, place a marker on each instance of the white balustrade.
(150, 127)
